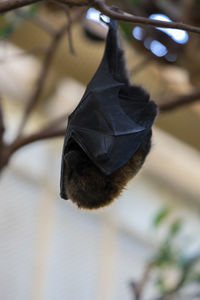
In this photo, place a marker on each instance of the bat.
(109, 133)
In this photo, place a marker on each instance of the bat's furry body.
(92, 175)
(89, 188)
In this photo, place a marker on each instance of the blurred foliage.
(127, 29)
(161, 216)
(6, 31)
(173, 272)
(10, 21)
(171, 256)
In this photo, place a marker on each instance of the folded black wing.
(113, 117)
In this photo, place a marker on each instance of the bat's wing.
(111, 71)
(113, 117)
(112, 67)
(114, 126)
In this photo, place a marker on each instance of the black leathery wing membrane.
(110, 127)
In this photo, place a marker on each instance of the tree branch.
(138, 287)
(51, 130)
(179, 101)
(42, 76)
(34, 137)
(7, 5)
(2, 128)
(180, 283)
(44, 71)
(120, 15)
(67, 13)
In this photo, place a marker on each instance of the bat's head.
(89, 188)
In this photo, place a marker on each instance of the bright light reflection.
(137, 33)
(178, 35)
(158, 49)
(94, 15)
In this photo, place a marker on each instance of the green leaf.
(165, 255)
(127, 29)
(6, 31)
(175, 227)
(161, 216)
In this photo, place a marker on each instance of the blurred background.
(146, 244)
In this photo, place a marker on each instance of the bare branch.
(34, 137)
(2, 128)
(183, 277)
(4, 155)
(138, 287)
(7, 5)
(67, 12)
(120, 15)
(54, 129)
(42, 76)
(32, 101)
(51, 130)
(182, 100)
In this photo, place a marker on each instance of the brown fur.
(89, 188)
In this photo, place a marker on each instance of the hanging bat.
(109, 133)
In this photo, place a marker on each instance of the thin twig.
(67, 12)
(32, 101)
(180, 283)
(51, 130)
(4, 156)
(2, 127)
(34, 137)
(180, 101)
(42, 76)
(8, 5)
(138, 287)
